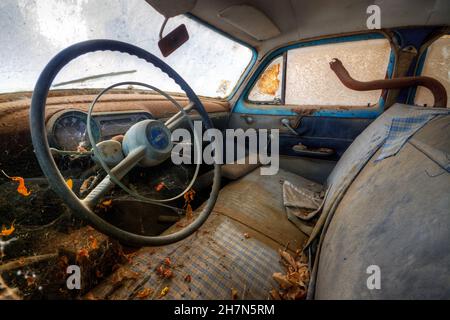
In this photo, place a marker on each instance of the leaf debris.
(294, 283)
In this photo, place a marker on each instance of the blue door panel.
(323, 132)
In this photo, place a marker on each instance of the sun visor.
(172, 8)
(251, 21)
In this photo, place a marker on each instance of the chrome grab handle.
(285, 122)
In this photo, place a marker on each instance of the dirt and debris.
(234, 294)
(164, 292)
(160, 186)
(122, 275)
(188, 198)
(293, 284)
(144, 293)
(304, 111)
(7, 293)
(165, 270)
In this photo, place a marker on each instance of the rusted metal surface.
(437, 89)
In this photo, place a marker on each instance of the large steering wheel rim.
(50, 169)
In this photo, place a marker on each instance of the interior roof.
(302, 19)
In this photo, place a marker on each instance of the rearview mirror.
(173, 40)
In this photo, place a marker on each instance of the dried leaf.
(160, 270)
(106, 203)
(30, 280)
(90, 296)
(160, 186)
(21, 188)
(93, 243)
(294, 283)
(164, 291)
(234, 294)
(288, 258)
(167, 261)
(188, 278)
(7, 231)
(189, 212)
(81, 254)
(69, 183)
(124, 274)
(295, 293)
(275, 294)
(282, 280)
(86, 184)
(167, 274)
(144, 293)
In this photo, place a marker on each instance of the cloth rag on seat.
(302, 203)
(400, 129)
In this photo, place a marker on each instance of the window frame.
(244, 105)
(411, 96)
(282, 101)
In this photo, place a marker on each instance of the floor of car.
(234, 253)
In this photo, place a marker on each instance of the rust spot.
(269, 82)
(304, 111)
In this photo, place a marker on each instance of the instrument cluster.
(67, 130)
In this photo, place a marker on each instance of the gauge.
(68, 130)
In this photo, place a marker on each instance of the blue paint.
(415, 37)
(158, 138)
(243, 106)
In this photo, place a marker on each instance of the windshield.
(32, 32)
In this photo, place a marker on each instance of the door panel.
(313, 132)
(335, 134)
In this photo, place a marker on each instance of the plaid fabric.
(217, 258)
(402, 128)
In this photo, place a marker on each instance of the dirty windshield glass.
(32, 32)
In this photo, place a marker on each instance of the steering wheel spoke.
(118, 172)
(177, 118)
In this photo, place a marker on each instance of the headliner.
(302, 19)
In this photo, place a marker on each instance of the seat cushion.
(237, 248)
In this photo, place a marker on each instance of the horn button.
(156, 138)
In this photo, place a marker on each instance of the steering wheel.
(140, 146)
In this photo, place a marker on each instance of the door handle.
(303, 150)
(285, 122)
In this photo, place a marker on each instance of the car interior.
(357, 118)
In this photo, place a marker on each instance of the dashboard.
(67, 129)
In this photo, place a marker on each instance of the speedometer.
(68, 130)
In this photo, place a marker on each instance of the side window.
(268, 88)
(436, 65)
(311, 83)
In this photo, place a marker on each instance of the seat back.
(393, 214)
